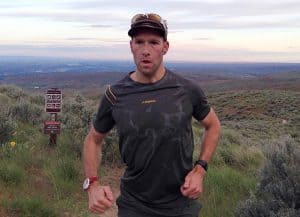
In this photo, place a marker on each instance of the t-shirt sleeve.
(104, 121)
(201, 107)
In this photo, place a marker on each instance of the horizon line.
(165, 61)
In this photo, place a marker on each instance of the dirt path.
(112, 179)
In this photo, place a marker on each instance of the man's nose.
(146, 49)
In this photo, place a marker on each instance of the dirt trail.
(113, 212)
(112, 179)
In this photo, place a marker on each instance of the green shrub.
(236, 151)
(6, 127)
(76, 121)
(29, 207)
(65, 145)
(279, 188)
(78, 113)
(26, 112)
(11, 173)
(70, 144)
(230, 137)
(37, 99)
(4, 100)
(19, 154)
(295, 128)
(110, 150)
(66, 170)
(64, 176)
(12, 91)
(240, 157)
(223, 189)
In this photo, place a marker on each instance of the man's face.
(148, 49)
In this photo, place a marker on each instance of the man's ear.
(131, 45)
(165, 47)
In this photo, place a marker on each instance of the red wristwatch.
(88, 181)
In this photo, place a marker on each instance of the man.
(152, 110)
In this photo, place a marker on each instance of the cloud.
(293, 48)
(62, 15)
(96, 40)
(242, 23)
(233, 14)
(199, 8)
(207, 53)
(80, 39)
(104, 52)
(13, 4)
(100, 26)
(104, 22)
(203, 39)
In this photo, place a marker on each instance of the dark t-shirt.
(153, 122)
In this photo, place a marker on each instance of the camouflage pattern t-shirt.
(153, 122)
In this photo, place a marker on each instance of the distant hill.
(94, 83)
(41, 65)
(31, 65)
(273, 81)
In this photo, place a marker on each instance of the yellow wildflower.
(13, 144)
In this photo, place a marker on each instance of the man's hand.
(193, 184)
(100, 198)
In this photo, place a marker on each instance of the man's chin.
(147, 71)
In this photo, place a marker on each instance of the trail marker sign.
(52, 127)
(53, 100)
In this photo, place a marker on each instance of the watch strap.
(93, 179)
(202, 163)
(88, 181)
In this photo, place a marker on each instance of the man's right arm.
(100, 197)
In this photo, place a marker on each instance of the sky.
(199, 31)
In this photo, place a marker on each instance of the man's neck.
(141, 78)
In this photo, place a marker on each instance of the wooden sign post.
(53, 105)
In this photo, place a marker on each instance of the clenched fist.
(100, 198)
(193, 183)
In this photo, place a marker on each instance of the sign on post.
(53, 104)
(52, 127)
(53, 100)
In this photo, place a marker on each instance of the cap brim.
(146, 26)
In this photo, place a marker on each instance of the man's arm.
(193, 185)
(211, 135)
(100, 197)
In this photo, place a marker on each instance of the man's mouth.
(146, 61)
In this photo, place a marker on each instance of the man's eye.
(154, 42)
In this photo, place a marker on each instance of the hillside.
(38, 180)
(260, 114)
(211, 78)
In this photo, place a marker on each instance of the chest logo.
(148, 101)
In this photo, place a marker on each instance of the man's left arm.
(193, 184)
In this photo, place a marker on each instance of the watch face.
(86, 184)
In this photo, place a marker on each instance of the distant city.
(41, 65)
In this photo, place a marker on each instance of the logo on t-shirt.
(148, 101)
